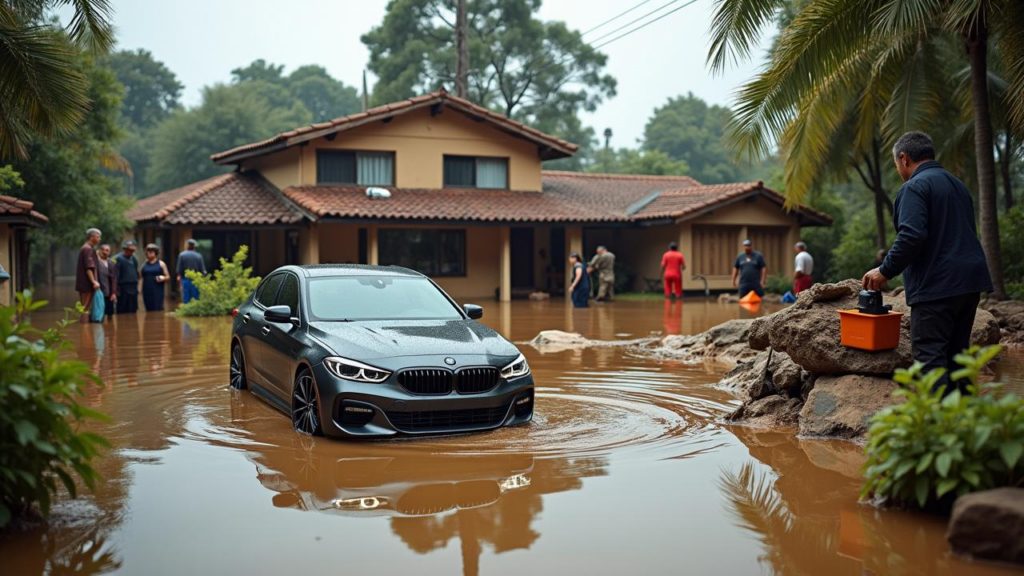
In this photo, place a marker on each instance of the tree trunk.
(977, 48)
(880, 224)
(462, 51)
(1005, 163)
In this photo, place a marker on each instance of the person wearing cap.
(127, 266)
(189, 260)
(154, 279)
(749, 271)
(803, 267)
(603, 263)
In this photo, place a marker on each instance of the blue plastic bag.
(788, 298)
(98, 307)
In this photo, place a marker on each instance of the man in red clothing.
(672, 266)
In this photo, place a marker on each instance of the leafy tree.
(151, 94)
(70, 179)
(632, 161)
(322, 95)
(229, 115)
(151, 90)
(42, 93)
(831, 48)
(10, 180)
(540, 73)
(687, 129)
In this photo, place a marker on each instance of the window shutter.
(459, 171)
(335, 167)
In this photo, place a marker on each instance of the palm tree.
(41, 91)
(888, 52)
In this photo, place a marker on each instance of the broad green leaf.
(942, 463)
(924, 462)
(946, 486)
(1011, 452)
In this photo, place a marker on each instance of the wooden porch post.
(309, 244)
(372, 245)
(505, 289)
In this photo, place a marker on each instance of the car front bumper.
(362, 410)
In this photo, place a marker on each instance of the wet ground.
(625, 469)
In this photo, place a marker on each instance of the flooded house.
(16, 217)
(458, 192)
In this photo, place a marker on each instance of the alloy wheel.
(305, 411)
(237, 368)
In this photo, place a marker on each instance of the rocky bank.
(791, 371)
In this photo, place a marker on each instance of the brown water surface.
(625, 469)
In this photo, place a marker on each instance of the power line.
(634, 21)
(645, 24)
(614, 18)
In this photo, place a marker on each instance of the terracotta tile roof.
(12, 208)
(232, 198)
(693, 201)
(552, 146)
(443, 204)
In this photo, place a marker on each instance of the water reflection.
(804, 510)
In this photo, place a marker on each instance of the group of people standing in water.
(121, 278)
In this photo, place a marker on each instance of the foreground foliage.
(929, 448)
(40, 414)
(224, 290)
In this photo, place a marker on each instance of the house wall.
(419, 142)
(7, 261)
(339, 243)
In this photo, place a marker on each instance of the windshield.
(378, 298)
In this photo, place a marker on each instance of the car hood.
(371, 339)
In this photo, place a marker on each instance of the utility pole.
(607, 138)
(462, 51)
(366, 95)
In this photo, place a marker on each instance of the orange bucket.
(871, 332)
(751, 298)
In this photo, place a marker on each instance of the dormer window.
(359, 168)
(475, 172)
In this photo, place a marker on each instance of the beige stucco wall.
(6, 260)
(419, 142)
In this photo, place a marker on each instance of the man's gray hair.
(601, 247)
(801, 245)
(917, 146)
(91, 231)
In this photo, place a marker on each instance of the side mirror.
(473, 311)
(280, 315)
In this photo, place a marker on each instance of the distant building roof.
(550, 147)
(233, 198)
(17, 210)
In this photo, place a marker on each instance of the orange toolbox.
(871, 332)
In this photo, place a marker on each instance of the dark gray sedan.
(364, 351)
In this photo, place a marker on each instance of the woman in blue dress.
(580, 287)
(154, 278)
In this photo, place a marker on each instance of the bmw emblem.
(449, 361)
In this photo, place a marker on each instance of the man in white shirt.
(804, 267)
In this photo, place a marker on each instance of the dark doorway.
(217, 244)
(522, 258)
(556, 263)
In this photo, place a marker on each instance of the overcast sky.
(202, 40)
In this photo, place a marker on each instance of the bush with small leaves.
(930, 448)
(224, 290)
(41, 440)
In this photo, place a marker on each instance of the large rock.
(840, 406)
(1010, 316)
(747, 379)
(769, 412)
(989, 525)
(809, 332)
(549, 341)
(725, 344)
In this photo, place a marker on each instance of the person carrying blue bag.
(99, 309)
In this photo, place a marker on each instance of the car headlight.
(356, 371)
(516, 368)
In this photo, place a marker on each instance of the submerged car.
(372, 351)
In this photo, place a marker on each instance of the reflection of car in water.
(404, 486)
(358, 351)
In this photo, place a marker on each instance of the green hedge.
(224, 290)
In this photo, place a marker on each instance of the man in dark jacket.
(127, 279)
(938, 253)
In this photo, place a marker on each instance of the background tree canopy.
(537, 72)
(689, 130)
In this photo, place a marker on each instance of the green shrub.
(224, 290)
(40, 413)
(929, 448)
(1011, 232)
(778, 284)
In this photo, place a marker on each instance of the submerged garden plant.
(224, 290)
(41, 415)
(930, 448)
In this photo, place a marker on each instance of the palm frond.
(736, 27)
(900, 15)
(40, 86)
(91, 24)
(1009, 37)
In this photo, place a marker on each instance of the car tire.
(236, 369)
(305, 405)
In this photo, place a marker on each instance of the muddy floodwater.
(626, 469)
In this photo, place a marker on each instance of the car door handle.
(265, 330)
(245, 318)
